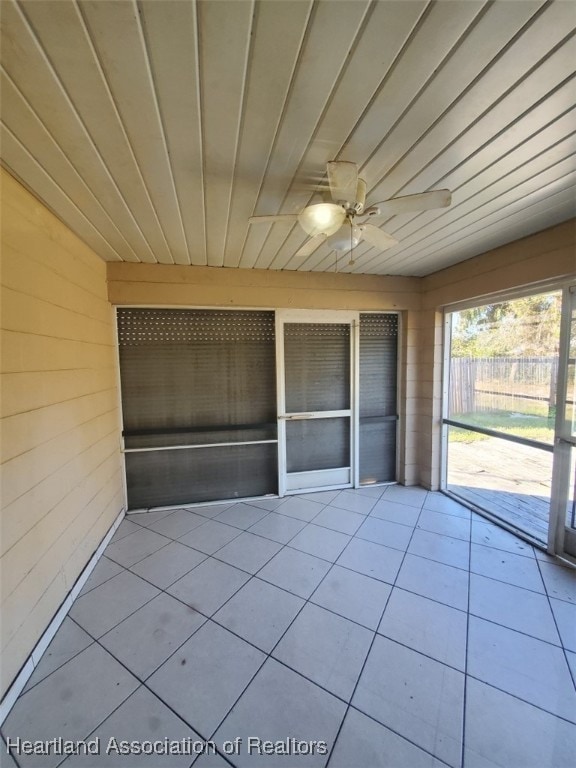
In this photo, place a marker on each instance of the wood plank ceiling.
(154, 129)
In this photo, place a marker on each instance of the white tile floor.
(391, 623)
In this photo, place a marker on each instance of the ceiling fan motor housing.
(356, 206)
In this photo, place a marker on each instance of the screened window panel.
(191, 475)
(317, 444)
(317, 362)
(198, 385)
(195, 377)
(378, 397)
(196, 369)
(377, 452)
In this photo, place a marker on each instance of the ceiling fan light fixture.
(345, 238)
(323, 222)
(322, 219)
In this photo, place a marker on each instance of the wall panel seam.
(48, 552)
(107, 436)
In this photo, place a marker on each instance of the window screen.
(317, 361)
(317, 444)
(197, 378)
(378, 392)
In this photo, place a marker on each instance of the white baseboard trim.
(34, 658)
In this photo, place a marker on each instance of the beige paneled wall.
(539, 261)
(61, 473)
(542, 258)
(408, 473)
(153, 285)
(429, 398)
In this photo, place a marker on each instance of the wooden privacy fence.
(501, 383)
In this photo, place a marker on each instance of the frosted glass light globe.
(341, 240)
(322, 219)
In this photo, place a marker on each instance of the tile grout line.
(465, 691)
(366, 659)
(82, 593)
(510, 584)
(306, 602)
(564, 649)
(250, 574)
(63, 663)
(269, 654)
(524, 701)
(254, 575)
(311, 522)
(182, 602)
(141, 683)
(396, 733)
(209, 618)
(68, 616)
(127, 569)
(468, 675)
(517, 631)
(293, 594)
(5, 749)
(285, 544)
(349, 705)
(448, 515)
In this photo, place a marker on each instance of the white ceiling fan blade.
(310, 245)
(343, 180)
(376, 237)
(425, 201)
(285, 217)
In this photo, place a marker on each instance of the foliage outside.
(526, 327)
(522, 328)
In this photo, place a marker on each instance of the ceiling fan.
(334, 222)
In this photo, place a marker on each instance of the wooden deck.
(510, 481)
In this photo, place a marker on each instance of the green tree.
(523, 327)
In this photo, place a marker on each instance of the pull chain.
(351, 262)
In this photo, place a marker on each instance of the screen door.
(315, 400)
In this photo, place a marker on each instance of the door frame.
(328, 317)
(561, 539)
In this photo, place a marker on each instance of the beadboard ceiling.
(154, 129)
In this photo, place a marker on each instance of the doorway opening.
(509, 405)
